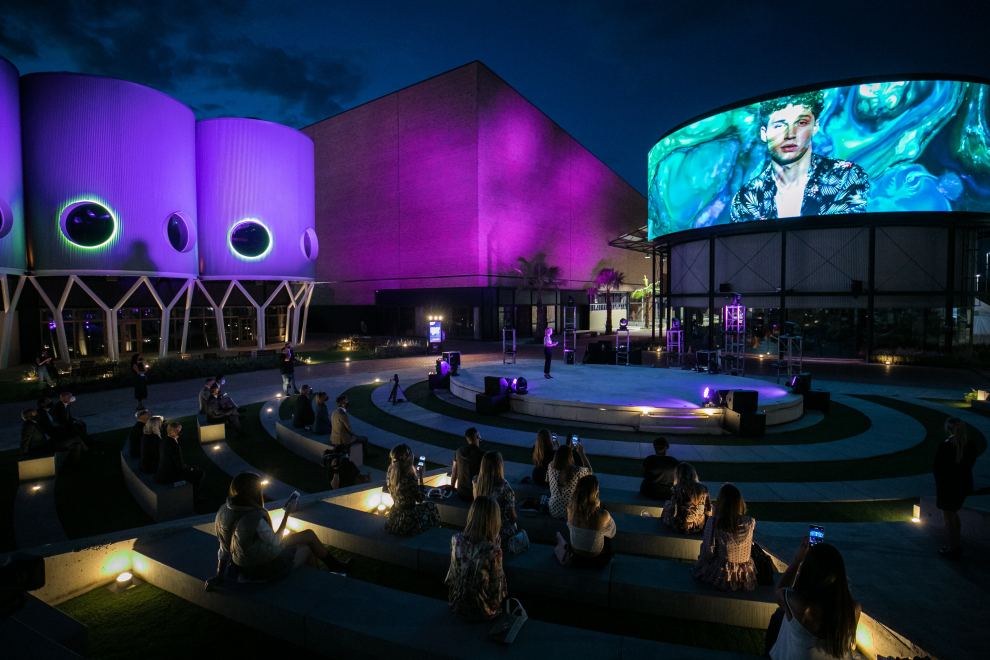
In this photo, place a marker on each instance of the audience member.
(46, 420)
(590, 527)
(170, 465)
(137, 432)
(953, 469)
(491, 482)
(63, 417)
(725, 559)
(35, 443)
(475, 581)
(217, 413)
(563, 476)
(248, 538)
(409, 514)
(322, 425)
(818, 617)
(689, 503)
(543, 452)
(204, 395)
(342, 433)
(43, 362)
(139, 375)
(467, 464)
(287, 367)
(150, 441)
(658, 472)
(304, 417)
(226, 402)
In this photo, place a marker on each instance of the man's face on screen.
(788, 133)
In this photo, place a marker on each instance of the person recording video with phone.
(797, 181)
(564, 475)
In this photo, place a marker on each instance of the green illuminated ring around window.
(6, 218)
(250, 221)
(67, 211)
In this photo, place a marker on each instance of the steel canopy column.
(185, 323)
(305, 320)
(9, 306)
(711, 292)
(63, 345)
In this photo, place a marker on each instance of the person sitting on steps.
(342, 433)
(171, 468)
(658, 472)
(35, 443)
(590, 527)
(467, 465)
(248, 538)
(322, 425)
(137, 433)
(476, 583)
(563, 476)
(304, 415)
(725, 560)
(204, 395)
(491, 482)
(689, 504)
(218, 414)
(409, 514)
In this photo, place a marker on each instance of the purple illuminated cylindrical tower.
(256, 196)
(12, 247)
(110, 178)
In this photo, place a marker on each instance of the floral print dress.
(506, 500)
(410, 515)
(686, 512)
(725, 559)
(475, 581)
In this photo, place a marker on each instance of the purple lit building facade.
(134, 216)
(12, 245)
(427, 197)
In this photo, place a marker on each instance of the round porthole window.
(177, 231)
(88, 224)
(250, 239)
(310, 245)
(6, 218)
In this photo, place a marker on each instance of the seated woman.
(475, 581)
(563, 476)
(491, 482)
(322, 424)
(409, 514)
(689, 503)
(248, 538)
(543, 452)
(725, 559)
(820, 615)
(150, 441)
(590, 526)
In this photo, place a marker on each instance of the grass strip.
(841, 422)
(325, 357)
(150, 623)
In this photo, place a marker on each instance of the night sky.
(615, 75)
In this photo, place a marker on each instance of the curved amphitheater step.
(35, 516)
(891, 431)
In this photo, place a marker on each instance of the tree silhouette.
(607, 279)
(539, 277)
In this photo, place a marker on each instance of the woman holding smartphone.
(563, 476)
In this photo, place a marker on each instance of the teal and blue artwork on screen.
(871, 148)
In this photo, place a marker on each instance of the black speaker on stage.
(453, 358)
(569, 357)
(745, 425)
(800, 384)
(743, 401)
(491, 405)
(723, 398)
(817, 401)
(494, 386)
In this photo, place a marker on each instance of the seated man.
(34, 442)
(170, 466)
(63, 417)
(204, 394)
(658, 472)
(304, 417)
(216, 412)
(137, 432)
(342, 433)
(46, 420)
(467, 465)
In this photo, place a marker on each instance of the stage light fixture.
(711, 398)
(520, 385)
(623, 324)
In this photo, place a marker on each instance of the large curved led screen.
(870, 148)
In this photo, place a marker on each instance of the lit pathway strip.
(890, 431)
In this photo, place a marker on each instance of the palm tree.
(539, 277)
(608, 279)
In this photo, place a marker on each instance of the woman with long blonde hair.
(689, 504)
(590, 528)
(953, 469)
(475, 581)
(491, 482)
(409, 514)
(150, 441)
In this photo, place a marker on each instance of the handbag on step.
(519, 542)
(509, 622)
(764, 565)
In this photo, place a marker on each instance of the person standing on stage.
(548, 345)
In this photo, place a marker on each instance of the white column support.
(264, 308)
(106, 310)
(295, 307)
(309, 297)
(218, 312)
(9, 306)
(259, 311)
(167, 322)
(63, 345)
(190, 287)
(130, 292)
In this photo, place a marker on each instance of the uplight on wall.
(916, 514)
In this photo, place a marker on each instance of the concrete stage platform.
(638, 397)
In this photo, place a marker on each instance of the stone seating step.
(21, 641)
(538, 571)
(327, 612)
(309, 445)
(53, 624)
(209, 431)
(160, 501)
(40, 467)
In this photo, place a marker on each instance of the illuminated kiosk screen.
(435, 332)
(870, 148)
